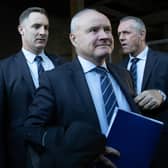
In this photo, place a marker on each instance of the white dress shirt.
(140, 67)
(46, 63)
(93, 80)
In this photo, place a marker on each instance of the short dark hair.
(28, 11)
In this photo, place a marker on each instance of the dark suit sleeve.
(80, 146)
(2, 122)
(79, 143)
(37, 130)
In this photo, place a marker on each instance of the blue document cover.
(135, 136)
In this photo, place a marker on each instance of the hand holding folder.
(135, 136)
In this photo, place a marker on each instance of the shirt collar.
(88, 66)
(142, 55)
(30, 56)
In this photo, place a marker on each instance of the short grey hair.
(75, 19)
(139, 24)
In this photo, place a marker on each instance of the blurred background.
(154, 14)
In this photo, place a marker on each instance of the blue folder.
(135, 136)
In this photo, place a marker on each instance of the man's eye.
(36, 26)
(107, 30)
(94, 29)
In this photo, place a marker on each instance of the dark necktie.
(109, 97)
(133, 70)
(39, 60)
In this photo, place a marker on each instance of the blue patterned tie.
(39, 60)
(133, 70)
(109, 97)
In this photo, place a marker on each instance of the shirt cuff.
(163, 95)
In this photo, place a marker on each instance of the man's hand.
(149, 99)
(107, 162)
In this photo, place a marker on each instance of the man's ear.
(143, 34)
(20, 30)
(72, 38)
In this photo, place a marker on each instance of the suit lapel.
(128, 92)
(55, 60)
(78, 78)
(124, 63)
(151, 59)
(24, 70)
(114, 73)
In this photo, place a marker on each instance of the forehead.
(90, 19)
(127, 25)
(36, 17)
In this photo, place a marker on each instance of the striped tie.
(133, 70)
(40, 68)
(109, 97)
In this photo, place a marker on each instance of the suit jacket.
(156, 77)
(63, 117)
(16, 93)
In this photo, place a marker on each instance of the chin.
(125, 51)
(103, 56)
(41, 46)
(104, 52)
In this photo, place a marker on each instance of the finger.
(138, 98)
(145, 102)
(110, 150)
(144, 94)
(107, 162)
(149, 106)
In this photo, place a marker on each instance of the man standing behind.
(19, 76)
(149, 71)
(69, 115)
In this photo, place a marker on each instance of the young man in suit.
(19, 80)
(151, 75)
(67, 120)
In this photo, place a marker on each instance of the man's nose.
(121, 37)
(103, 34)
(43, 30)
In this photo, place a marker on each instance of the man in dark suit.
(18, 83)
(67, 119)
(151, 74)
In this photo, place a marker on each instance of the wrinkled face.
(131, 39)
(93, 38)
(34, 32)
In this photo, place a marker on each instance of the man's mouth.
(103, 45)
(41, 40)
(124, 45)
